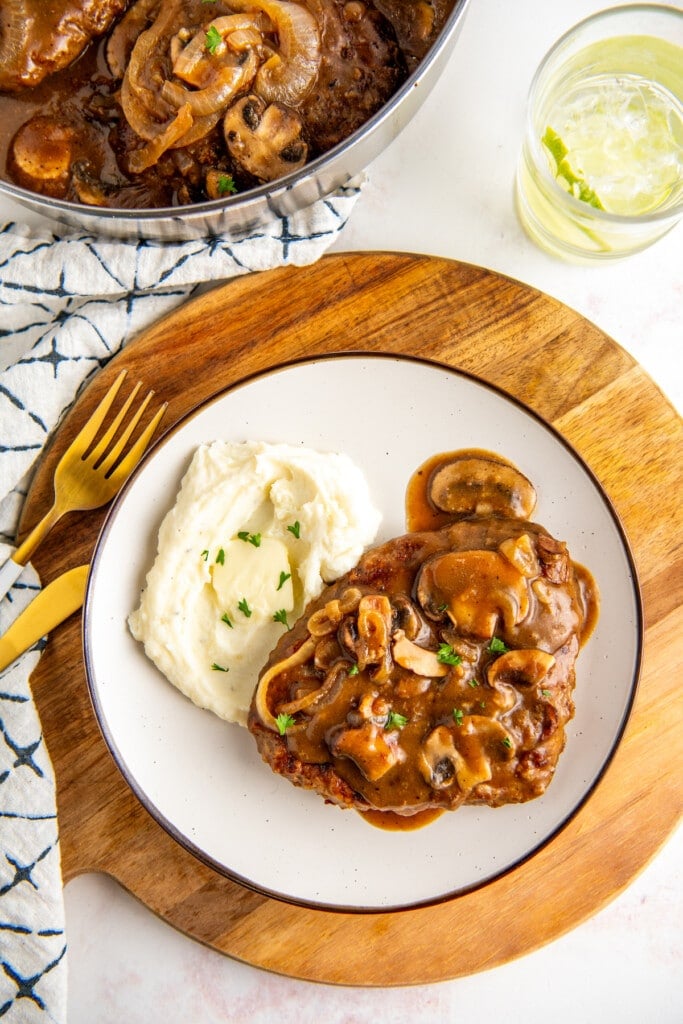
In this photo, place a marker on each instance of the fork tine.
(87, 434)
(132, 457)
(102, 445)
(107, 460)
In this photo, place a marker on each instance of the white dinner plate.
(203, 780)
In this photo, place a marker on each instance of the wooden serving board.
(594, 393)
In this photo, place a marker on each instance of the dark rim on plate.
(187, 843)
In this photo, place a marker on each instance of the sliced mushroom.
(41, 154)
(439, 758)
(407, 617)
(368, 744)
(463, 754)
(265, 140)
(475, 589)
(417, 659)
(523, 667)
(481, 486)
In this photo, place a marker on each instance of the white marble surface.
(444, 187)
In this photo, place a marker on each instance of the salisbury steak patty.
(439, 671)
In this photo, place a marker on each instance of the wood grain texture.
(601, 400)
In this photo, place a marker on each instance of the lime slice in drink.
(564, 173)
(617, 143)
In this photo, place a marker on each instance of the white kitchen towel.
(69, 302)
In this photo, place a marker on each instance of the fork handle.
(37, 534)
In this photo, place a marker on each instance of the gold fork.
(89, 475)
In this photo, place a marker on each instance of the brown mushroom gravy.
(156, 103)
(440, 670)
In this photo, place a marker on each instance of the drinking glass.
(601, 169)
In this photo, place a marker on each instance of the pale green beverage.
(601, 173)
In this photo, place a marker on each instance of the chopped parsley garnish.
(283, 722)
(473, 682)
(295, 529)
(226, 619)
(226, 183)
(213, 39)
(354, 670)
(284, 576)
(250, 538)
(507, 742)
(546, 693)
(395, 720)
(447, 655)
(205, 554)
(281, 616)
(244, 607)
(497, 646)
(458, 715)
(442, 607)
(219, 668)
(220, 557)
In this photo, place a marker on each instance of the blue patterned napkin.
(69, 303)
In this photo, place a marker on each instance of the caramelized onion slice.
(215, 97)
(299, 657)
(287, 76)
(140, 159)
(311, 700)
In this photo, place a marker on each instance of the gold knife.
(55, 603)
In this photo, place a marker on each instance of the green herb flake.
(281, 616)
(220, 557)
(472, 682)
(295, 529)
(447, 656)
(284, 576)
(458, 715)
(219, 668)
(497, 646)
(507, 743)
(225, 183)
(283, 722)
(395, 720)
(226, 619)
(244, 607)
(442, 607)
(213, 39)
(205, 554)
(546, 693)
(354, 670)
(250, 538)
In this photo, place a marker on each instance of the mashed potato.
(256, 531)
